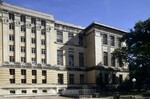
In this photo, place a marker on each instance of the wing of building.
(41, 55)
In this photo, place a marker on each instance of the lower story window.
(24, 91)
(44, 91)
(12, 91)
(34, 91)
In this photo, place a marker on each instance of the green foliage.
(137, 53)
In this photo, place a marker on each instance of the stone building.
(41, 55)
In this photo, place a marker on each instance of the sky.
(121, 14)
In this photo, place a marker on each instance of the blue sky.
(122, 14)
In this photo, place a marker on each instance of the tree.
(137, 53)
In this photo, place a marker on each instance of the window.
(11, 37)
(23, 59)
(12, 71)
(119, 42)
(34, 81)
(114, 78)
(33, 30)
(70, 38)
(81, 59)
(112, 60)
(106, 79)
(59, 57)
(43, 72)
(12, 81)
(60, 79)
(80, 39)
(44, 81)
(71, 58)
(24, 91)
(12, 91)
(104, 38)
(23, 81)
(71, 78)
(44, 91)
(112, 41)
(23, 72)
(22, 18)
(120, 79)
(34, 72)
(23, 29)
(33, 21)
(34, 91)
(43, 51)
(33, 40)
(11, 58)
(11, 16)
(105, 58)
(23, 39)
(43, 32)
(23, 49)
(59, 36)
(33, 50)
(33, 59)
(42, 42)
(43, 60)
(11, 26)
(43, 23)
(81, 79)
(11, 47)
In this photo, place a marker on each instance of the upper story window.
(43, 32)
(11, 37)
(11, 26)
(70, 38)
(23, 59)
(33, 50)
(59, 36)
(43, 60)
(105, 58)
(71, 58)
(112, 60)
(23, 39)
(43, 23)
(119, 42)
(112, 41)
(11, 47)
(23, 18)
(80, 39)
(12, 59)
(43, 42)
(33, 30)
(43, 51)
(33, 20)
(23, 28)
(104, 38)
(59, 57)
(11, 16)
(23, 49)
(23, 72)
(81, 59)
(33, 40)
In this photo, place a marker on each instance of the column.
(17, 38)
(1, 40)
(5, 37)
(38, 40)
(109, 50)
(48, 45)
(28, 39)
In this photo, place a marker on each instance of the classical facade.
(41, 55)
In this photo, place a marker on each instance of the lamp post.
(134, 80)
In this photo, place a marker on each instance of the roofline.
(104, 25)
